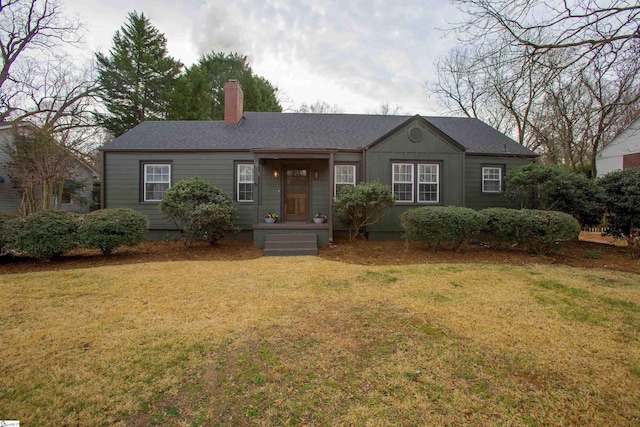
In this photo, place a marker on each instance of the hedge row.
(449, 227)
(48, 234)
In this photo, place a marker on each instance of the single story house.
(623, 152)
(78, 194)
(293, 165)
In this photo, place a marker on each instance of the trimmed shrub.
(44, 235)
(361, 205)
(535, 230)
(622, 200)
(441, 226)
(107, 229)
(552, 188)
(5, 225)
(182, 204)
(210, 222)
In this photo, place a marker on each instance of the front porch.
(294, 185)
(260, 231)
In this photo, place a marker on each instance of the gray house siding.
(9, 195)
(123, 181)
(475, 197)
(432, 148)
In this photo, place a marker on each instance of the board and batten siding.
(123, 181)
(475, 198)
(398, 147)
(9, 195)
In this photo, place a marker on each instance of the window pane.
(345, 174)
(155, 191)
(402, 173)
(428, 173)
(428, 192)
(403, 192)
(245, 192)
(245, 173)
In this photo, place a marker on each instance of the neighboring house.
(293, 164)
(623, 152)
(78, 196)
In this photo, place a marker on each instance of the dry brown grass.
(305, 341)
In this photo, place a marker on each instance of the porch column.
(331, 178)
(257, 168)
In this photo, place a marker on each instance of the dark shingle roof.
(284, 131)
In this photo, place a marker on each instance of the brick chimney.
(233, 100)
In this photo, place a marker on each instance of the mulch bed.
(592, 251)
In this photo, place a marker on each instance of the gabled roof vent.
(416, 134)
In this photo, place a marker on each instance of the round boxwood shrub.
(44, 235)
(441, 226)
(107, 229)
(184, 204)
(536, 230)
(210, 222)
(362, 205)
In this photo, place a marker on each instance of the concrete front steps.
(290, 244)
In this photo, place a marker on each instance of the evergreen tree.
(199, 95)
(137, 77)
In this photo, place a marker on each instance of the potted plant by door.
(270, 218)
(319, 218)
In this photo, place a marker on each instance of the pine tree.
(137, 77)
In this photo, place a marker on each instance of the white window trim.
(492, 180)
(145, 182)
(335, 177)
(436, 182)
(238, 181)
(411, 182)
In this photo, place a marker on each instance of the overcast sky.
(356, 54)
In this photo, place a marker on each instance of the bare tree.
(29, 30)
(320, 107)
(559, 76)
(460, 87)
(500, 84)
(37, 83)
(386, 109)
(587, 27)
(39, 166)
(584, 110)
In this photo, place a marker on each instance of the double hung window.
(491, 179)
(416, 182)
(344, 175)
(245, 181)
(157, 180)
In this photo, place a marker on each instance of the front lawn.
(306, 341)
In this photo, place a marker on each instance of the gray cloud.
(384, 51)
(361, 52)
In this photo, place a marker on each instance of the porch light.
(276, 173)
(316, 174)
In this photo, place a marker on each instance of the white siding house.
(623, 152)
